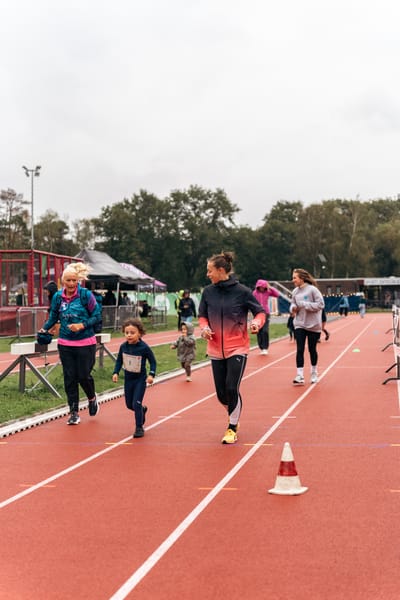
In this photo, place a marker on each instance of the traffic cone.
(287, 482)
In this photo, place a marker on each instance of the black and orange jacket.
(224, 308)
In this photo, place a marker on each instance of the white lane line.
(114, 445)
(89, 459)
(163, 548)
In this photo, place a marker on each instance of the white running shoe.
(314, 377)
(298, 380)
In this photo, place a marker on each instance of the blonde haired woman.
(78, 311)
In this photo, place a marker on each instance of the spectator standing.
(306, 310)
(145, 309)
(223, 311)
(77, 340)
(20, 299)
(133, 356)
(126, 300)
(262, 293)
(109, 298)
(186, 348)
(179, 296)
(362, 306)
(187, 307)
(344, 306)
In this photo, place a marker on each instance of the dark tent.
(108, 271)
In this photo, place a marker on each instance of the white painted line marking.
(163, 548)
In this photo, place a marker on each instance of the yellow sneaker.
(230, 437)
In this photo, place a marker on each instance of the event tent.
(155, 285)
(108, 271)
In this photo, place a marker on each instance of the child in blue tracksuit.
(132, 357)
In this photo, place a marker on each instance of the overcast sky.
(269, 100)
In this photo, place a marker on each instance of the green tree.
(200, 220)
(247, 248)
(84, 233)
(279, 252)
(133, 231)
(14, 218)
(353, 253)
(387, 248)
(52, 235)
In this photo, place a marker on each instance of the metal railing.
(395, 343)
(25, 321)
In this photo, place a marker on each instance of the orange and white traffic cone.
(287, 482)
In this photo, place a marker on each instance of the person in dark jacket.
(76, 338)
(51, 288)
(187, 307)
(132, 357)
(223, 312)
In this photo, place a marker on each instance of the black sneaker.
(74, 419)
(139, 432)
(327, 336)
(93, 407)
(144, 413)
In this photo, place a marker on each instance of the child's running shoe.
(298, 380)
(139, 432)
(314, 378)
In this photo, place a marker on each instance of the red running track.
(89, 512)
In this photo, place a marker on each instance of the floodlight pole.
(32, 173)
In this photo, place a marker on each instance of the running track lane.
(179, 515)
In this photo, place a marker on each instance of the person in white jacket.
(306, 310)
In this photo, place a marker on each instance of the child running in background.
(186, 348)
(324, 329)
(132, 357)
(290, 327)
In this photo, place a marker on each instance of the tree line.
(171, 238)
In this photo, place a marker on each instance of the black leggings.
(135, 388)
(228, 373)
(312, 337)
(263, 335)
(77, 363)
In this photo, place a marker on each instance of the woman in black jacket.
(223, 311)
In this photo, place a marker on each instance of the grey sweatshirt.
(310, 301)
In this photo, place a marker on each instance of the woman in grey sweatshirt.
(306, 310)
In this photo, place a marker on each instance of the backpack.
(97, 327)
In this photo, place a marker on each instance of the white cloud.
(268, 100)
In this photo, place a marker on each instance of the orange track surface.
(88, 512)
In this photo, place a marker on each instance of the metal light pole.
(32, 173)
